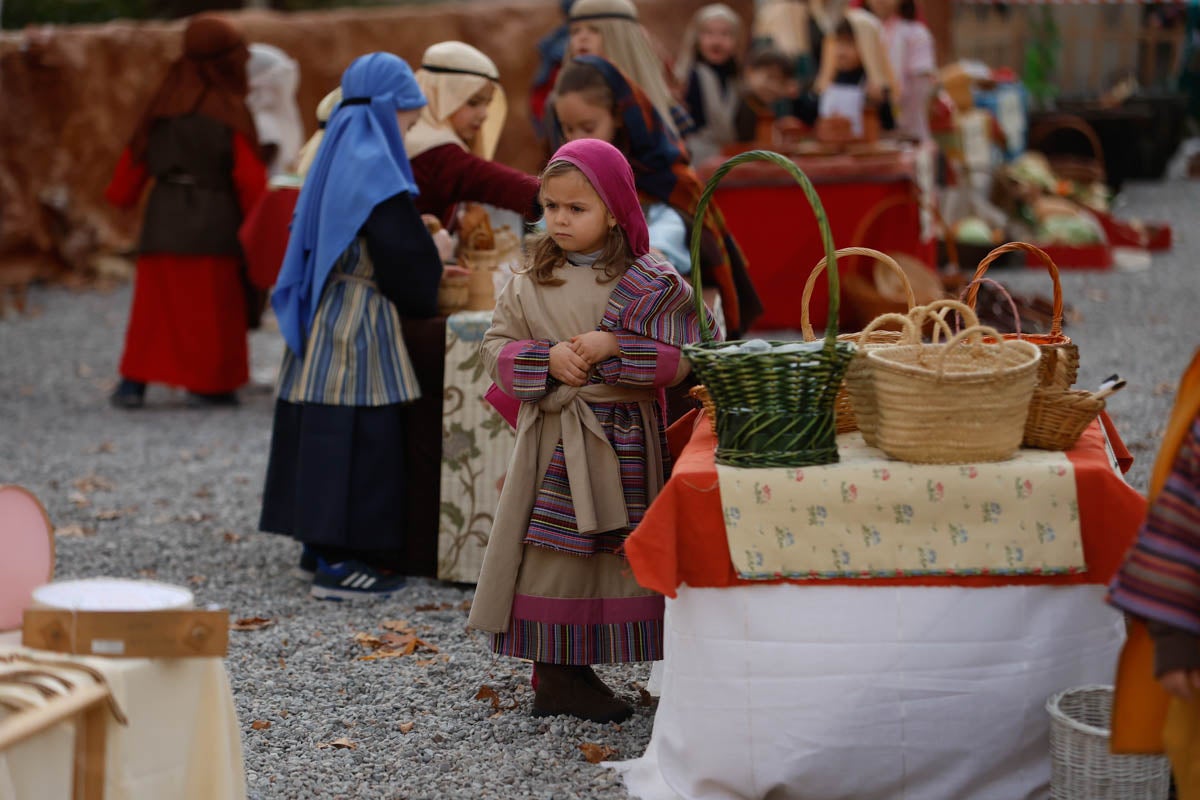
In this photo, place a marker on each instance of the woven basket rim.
(1056, 713)
(883, 358)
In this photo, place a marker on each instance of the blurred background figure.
(274, 78)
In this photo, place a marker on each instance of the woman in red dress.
(197, 142)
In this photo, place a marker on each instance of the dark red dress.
(448, 174)
(188, 323)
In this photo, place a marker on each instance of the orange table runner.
(682, 537)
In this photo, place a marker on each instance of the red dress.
(188, 326)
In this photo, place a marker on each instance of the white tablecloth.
(183, 741)
(875, 693)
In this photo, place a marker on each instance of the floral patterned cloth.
(476, 445)
(871, 517)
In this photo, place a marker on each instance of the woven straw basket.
(961, 402)
(860, 386)
(453, 294)
(842, 407)
(1058, 417)
(772, 409)
(1060, 357)
(1081, 766)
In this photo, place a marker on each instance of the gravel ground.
(174, 493)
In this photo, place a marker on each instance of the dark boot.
(197, 400)
(564, 689)
(128, 394)
(592, 678)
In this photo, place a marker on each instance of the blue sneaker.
(352, 579)
(306, 570)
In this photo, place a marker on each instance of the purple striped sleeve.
(524, 367)
(637, 365)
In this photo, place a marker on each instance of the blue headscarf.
(361, 163)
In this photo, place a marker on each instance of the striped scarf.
(653, 301)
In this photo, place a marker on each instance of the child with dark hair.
(846, 85)
(767, 80)
(914, 63)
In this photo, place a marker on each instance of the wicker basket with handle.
(876, 337)
(1081, 765)
(1081, 169)
(953, 403)
(773, 408)
(1060, 356)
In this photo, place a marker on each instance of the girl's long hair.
(544, 256)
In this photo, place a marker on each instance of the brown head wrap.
(209, 78)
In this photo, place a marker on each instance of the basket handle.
(936, 311)
(1066, 122)
(1047, 262)
(810, 284)
(977, 331)
(912, 334)
(1012, 304)
(895, 201)
(810, 193)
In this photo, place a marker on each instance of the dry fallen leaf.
(251, 623)
(230, 537)
(397, 625)
(393, 644)
(78, 499)
(103, 447)
(197, 580)
(92, 483)
(203, 493)
(341, 743)
(595, 753)
(107, 515)
(465, 605)
(406, 727)
(282, 663)
(260, 724)
(1164, 388)
(645, 699)
(74, 531)
(488, 693)
(194, 516)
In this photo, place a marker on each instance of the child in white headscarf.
(274, 78)
(708, 67)
(452, 144)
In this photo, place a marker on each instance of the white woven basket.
(1081, 766)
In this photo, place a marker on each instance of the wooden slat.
(23, 725)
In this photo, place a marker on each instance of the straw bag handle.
(1012, 304)
(810, 193)
(978, 331)
(883, 258)
(912, 334)
(895, 201)
(1066, 122)
(936, 311)
(1047, 262)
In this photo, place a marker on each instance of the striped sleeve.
(524, 368)
(642, 363)
(1160, 579)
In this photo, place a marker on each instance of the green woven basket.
(773, 409)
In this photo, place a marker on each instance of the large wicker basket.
(773, 408)
(842, 406)
(955, 403)
(1060, 357)
(1081, 765)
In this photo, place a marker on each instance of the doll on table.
(854, 83)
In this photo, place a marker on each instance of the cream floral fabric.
(868, 517)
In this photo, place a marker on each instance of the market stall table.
(182, 740)
(768, 215)
(887, 688)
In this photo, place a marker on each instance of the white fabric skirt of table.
(795, 692)
(182, 742)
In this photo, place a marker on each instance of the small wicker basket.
(772, 408)
(961, 402)
(1081, 765)
(1060, 357)
(1058, 417)
(453, 294)
(842, 406)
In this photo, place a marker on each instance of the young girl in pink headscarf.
(585, 337)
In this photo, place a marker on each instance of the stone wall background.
(70, 97)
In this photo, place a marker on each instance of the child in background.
(552, 51)
(585, 337)
(914, 63)
(452, 144)
(850, 84)
(708, 67)
(197, 142)
(358, 258)
(767, 82)
(309, 151)
(274, 79)
(610, 29)
(593, 99)
(1159, 585)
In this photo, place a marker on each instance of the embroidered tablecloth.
(476, 445)
(868, 517)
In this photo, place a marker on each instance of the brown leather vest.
(193, 208)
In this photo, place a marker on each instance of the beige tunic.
(525, 311)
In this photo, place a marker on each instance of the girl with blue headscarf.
(358, 259)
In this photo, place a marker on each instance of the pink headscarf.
(611, 176)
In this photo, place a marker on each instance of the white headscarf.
(691, 36)
(273, 78)
(628, 47)
(452, 73)
(309, 151)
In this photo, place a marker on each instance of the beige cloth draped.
(525, 311)
(447, 92)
